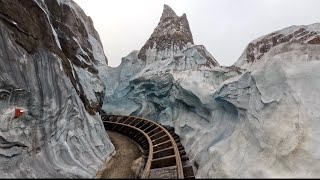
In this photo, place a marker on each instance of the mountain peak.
(167, 13)
(172, 33)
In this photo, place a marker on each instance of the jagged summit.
(173, 33)
(171, 43)
(167, 12)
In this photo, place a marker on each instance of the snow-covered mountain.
(258, 118)
(50, 54)
(169, 53)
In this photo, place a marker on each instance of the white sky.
(224, 27)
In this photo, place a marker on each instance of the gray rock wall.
(56, 136)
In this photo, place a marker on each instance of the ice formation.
(257, 118)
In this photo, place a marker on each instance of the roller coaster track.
(166, 157)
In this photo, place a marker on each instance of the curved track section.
(166, 157)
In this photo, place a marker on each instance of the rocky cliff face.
(299, 35)
(172, 41)
(258, 118)
(50, 55)
(172, 33)
(60, 27)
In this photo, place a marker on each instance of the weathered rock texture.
(172, 42)
(50, 55)
(172, 32)
(292, 35)
(259, 118)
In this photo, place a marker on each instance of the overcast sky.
(224, 27)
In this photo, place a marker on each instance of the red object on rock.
(18, 113)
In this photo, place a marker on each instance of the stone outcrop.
(172, 32)
(292, 35)
(172, 41)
